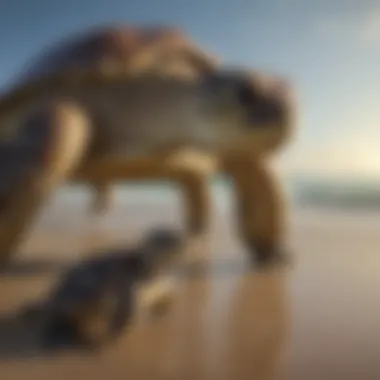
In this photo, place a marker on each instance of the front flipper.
(59, 134)
(260, 209)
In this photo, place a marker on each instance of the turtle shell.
(120, 45)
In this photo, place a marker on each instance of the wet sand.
(319, 319)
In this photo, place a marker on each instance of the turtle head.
(251, 112)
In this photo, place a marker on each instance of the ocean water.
(336, 193)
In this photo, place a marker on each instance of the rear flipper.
(261, 210)
(60, 134)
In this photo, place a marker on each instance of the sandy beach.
(318, 319)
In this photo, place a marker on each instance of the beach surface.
(318, 319)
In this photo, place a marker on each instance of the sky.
(329, 49)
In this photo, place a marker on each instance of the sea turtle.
(110, 123)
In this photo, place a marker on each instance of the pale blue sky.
(329, 48)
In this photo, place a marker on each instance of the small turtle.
(94, 300)
(91, 125)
